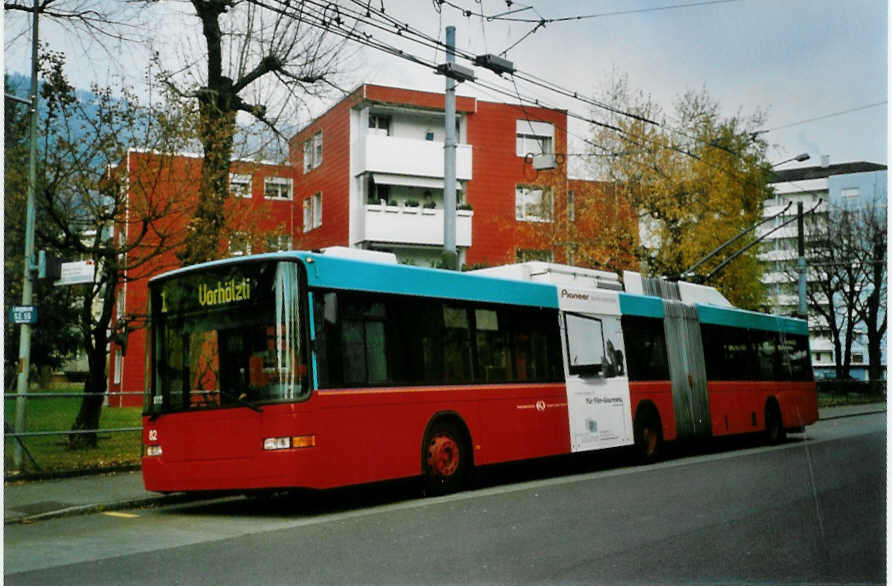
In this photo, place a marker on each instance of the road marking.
(120, 515)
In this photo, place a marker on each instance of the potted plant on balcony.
(464, 207)
(411, 206)
(430, 205)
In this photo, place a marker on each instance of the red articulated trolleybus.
(319, 370)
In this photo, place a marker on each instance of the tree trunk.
(91, 406)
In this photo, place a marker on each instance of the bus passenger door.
(687, 369)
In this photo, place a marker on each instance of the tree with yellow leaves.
(695, 182)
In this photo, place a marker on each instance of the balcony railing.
(413, 225)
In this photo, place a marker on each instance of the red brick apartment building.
(260, 217)
(368, 173)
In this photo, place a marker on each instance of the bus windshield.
(231, 336)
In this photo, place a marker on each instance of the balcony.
(410, 156)
(413, 226)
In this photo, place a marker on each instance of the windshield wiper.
(242, 399)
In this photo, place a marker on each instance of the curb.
(855, 414)
(142, 502)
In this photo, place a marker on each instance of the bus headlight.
(286, 443)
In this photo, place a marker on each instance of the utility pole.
(803, 307)
(450, 257)
(28, 280)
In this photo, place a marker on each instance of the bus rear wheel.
(648, 435)
(446, 459)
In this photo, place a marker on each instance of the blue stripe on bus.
(740, 318)
(342, 273)
(641, 305)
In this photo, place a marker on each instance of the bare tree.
(88, 24)
(870, 225)
(256, 60)
(837, 277)
(81, 200)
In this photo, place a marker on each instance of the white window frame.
(534, 137)
(379, 124)
(119, 366)
(240, 185)
(279, 242)
(317, 149)
(275, 184)
(312, 212)
(239, 244)
(571, 206)
(524, 200)
(308, 155)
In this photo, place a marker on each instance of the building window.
(239, 244)
(312, 212)
(533, 204)
(278, 242)
(571, 206)
(534, 137)
(537, 255)
(119, 366)
(849, 193)
(857, 358)
(277, 188)
(313, 152)
(379, 125)
(317, 149)
(308, 156)
(239, 185)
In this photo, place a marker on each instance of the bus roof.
(338, 272)
(742, 318)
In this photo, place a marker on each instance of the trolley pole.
(24, 366)
(450, 257)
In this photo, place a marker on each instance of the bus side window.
(765, 347)
(645, 342)
(729, 353)
(456, 345)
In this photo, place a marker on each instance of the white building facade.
(823, 189)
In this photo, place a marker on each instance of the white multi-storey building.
(844, 185)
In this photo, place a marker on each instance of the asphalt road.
(811, 510)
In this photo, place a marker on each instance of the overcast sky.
(796, 60)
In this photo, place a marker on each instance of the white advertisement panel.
(598, 401)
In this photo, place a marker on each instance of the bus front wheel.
(648, 435)
(446, 459)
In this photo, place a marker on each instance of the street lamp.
(799, 158)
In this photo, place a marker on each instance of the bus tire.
(446, 458)
(648, 434)
(774, 425)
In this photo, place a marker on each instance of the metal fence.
(20, 437)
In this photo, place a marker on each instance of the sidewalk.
(31, 501)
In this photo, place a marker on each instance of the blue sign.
(23, 314)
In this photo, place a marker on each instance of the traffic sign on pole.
(23, 314)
